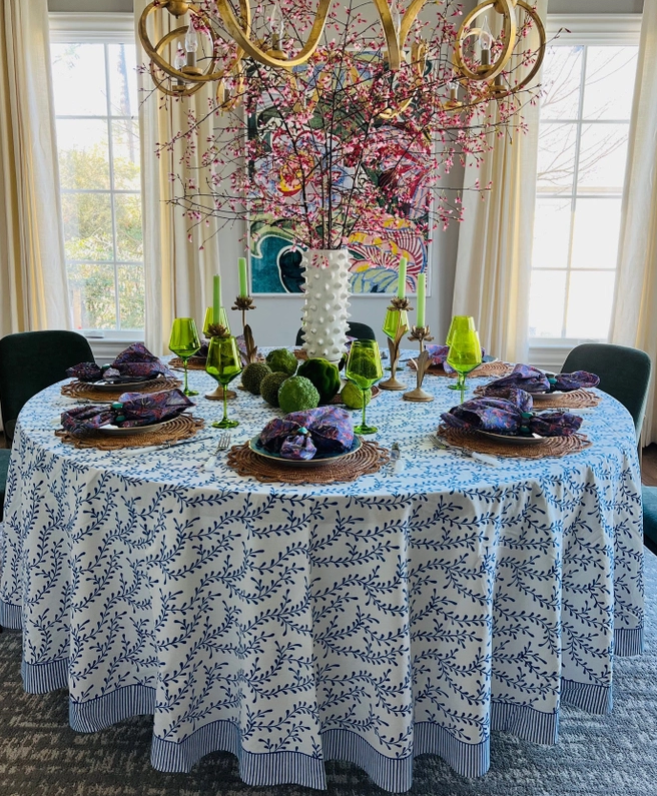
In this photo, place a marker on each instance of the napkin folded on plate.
(132, 409)
(135, 363)
(529, 379)
(302, 435)
(511, 415)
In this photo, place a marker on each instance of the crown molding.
(606, 29)
(91, 26)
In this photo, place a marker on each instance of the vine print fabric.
(406, 613)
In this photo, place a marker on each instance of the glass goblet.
(184, 343)
(224, 364)
(464, 355)
(364, 369)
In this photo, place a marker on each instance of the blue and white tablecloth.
(374, 621)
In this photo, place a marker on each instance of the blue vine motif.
(373, 621)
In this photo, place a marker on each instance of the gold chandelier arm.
(395, 41)
(242, 34)
(499, 91)
(510, 31)
(153, 52)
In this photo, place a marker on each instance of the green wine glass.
(207, 321)
(224, 364)
(464, 355)
(184, 343)
(364, 369)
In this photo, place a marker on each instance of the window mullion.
(110, 142)
(573, 205)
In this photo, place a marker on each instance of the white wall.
(90, 5)
(595, 6)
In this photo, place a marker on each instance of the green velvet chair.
(32, 361)
(624, 374)
(359, 331)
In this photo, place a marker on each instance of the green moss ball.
(252, 376)
(270, 386)
(297, 393)
(283, 361)
(324, 375)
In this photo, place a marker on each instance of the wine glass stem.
(460, 382)
(225, 417)
(185, 388)
(364, 405)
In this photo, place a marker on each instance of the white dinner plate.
(318, 461)
(511, 439)
(117, 431)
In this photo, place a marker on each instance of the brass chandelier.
(184, 77)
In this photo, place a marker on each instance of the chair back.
(32, 361)
(359, 331)
(624, 374)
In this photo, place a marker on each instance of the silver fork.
(222, 445)
(483, 458)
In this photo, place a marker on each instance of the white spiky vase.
(326, 310)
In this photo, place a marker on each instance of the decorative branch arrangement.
(353, 135)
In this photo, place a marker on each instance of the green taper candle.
(241, 264)
(421, 298)
(401, 285)
(216, 298)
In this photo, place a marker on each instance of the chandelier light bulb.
(486, 40)
(179, 61)
(396, 16)
(191, 40)
(276, 26)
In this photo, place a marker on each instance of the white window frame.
(100, 28)
(589, 29)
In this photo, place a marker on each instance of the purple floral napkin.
(533, 380)
(302, 435)
(132, 409)
(510, 414)
(438, 356)
(136, 363)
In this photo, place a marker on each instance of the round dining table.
(411, 611)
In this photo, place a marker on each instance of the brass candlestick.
(420, 333)
(217, 330)
(244, 304)
(395, 327)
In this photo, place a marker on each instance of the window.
(583, 136)
(96, 105)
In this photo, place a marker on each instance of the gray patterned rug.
(596, 755)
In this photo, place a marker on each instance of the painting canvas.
(276, 260)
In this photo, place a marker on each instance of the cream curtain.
(634, 321)
(33, 286)
(178, 273)
(493, 265)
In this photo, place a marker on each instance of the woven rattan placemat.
(577, 399)
(551, 447)
(181, 427)
(368, 459)
(86, 390)
(485, 370)
(194, 363)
